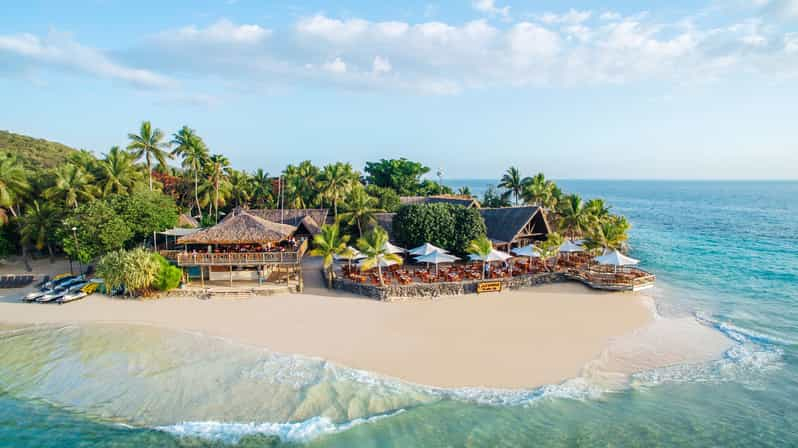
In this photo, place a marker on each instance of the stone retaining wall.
(431, 291)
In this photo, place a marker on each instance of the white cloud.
(791, 43)
(221, 32)
(787, 9)
(438, 57)
(572, 17)
(489, 7)
(381, 65)
(335, 66)
(62, 51)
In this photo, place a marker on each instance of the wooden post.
(202, 276)
(301, 285)
(231, 275)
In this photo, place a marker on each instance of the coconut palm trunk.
(196, 192)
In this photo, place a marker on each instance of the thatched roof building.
(465, 201)
(185, 221)
(293, 216)
(515, 226)
(241, 227)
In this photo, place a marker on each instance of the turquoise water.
(724, 252)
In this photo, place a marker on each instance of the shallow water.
(726, 254)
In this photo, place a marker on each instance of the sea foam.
(303, 431)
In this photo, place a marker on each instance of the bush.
(451, 227)
(99, 230)
(145, 212)
(135, 271)
(387, 199)
(169, 276)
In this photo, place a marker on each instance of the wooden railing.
(238, 259)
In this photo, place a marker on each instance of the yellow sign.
(489, 287)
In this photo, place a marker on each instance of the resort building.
(244, 247)
(510, 227)
(308, 221)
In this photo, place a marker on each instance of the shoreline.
(449, 342)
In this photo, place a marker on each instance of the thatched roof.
(240, 227)
(465, 201)
(292, 216)
(506, 224)
(187, 222)
(310, 225)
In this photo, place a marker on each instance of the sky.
(595, 90)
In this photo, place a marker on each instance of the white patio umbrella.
(437, 258)
(569, 246)
(350, 254)
(391, 249)
(426, 249)
(381, 261)
(616, 259)
(494, 255)
(527, 251)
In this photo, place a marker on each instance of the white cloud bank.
(59, 50)
(568, 48)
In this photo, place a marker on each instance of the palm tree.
(539, 191)
(335, 181)
(611, 233)
(361, 209)
(195, 155)
(373, 247)
(240, 187)
(513, 182)
(37, 227)
(550, 249)
(14, 184)
(299, 183)
(598, 209)
(574, 218)
(328, 243)
(119, 172)
(262, 188)
(464, 191)
(72, 184)
(218, 171)
(148, 143)
(481, 247)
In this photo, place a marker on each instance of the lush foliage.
(400, 175)
(373, 246)
(452, 227)
(36, 154)
(169, 275)
(481, 247)
(327, 244)
(135, 271)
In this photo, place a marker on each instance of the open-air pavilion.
(243, 247)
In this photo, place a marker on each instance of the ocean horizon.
(725, 254)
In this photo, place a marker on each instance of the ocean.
(725, 253)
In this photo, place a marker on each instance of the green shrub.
(451, 227)
(168, 277)
(135, 271)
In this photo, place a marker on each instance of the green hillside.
(34, 152)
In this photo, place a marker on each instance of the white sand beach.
(514, 339)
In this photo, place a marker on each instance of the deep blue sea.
(725, 253)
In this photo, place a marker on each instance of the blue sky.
(581, 89)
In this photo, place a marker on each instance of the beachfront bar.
(243, 248)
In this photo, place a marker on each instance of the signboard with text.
(492, 286)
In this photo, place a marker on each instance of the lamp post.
(77, 247)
